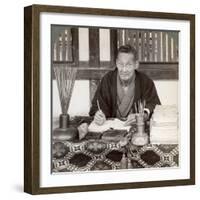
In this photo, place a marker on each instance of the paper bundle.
(164, 125)
(114, 124)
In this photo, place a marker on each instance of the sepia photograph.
(109, 99)
(114, 98)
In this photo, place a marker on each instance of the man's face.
(126, 66)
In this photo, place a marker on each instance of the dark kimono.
(106, 94)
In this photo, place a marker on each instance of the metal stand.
(64, 132)
(140, 138)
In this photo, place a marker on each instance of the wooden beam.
(94, 47)
(156, 71)
(75, 46)
(113, 46)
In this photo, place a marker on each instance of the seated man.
(121, 88)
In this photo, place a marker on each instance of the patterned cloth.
(102, 155)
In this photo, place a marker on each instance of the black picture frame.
(32, 97)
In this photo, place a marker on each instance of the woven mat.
(102, 155)
(97, 154)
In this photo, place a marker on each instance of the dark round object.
(63, 134)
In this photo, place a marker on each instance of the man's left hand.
(130, 120)
(83, 130)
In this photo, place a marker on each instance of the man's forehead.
(125, 56)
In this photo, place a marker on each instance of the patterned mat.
(102, 155)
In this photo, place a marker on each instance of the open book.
(115, 124)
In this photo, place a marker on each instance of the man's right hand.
(99, 118)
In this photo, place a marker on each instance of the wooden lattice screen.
(157, 52)
(152, 46)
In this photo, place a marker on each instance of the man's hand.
(130, 120)
(146, 116)
(83, 130)
(99, 118)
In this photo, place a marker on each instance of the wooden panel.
(176, 45)
(135, 39)
(94, 47)
(113, 46)
(166, 47)
(91, 73)
(151, 47)
(160, 47)
(75, 45)
(142, 47)
(145, 47)
(156, 71)
(160, 71)
(119, 38)
(169, 47)
(154, 50)
(172, 50)
(64, 45)
(148, 50)
(126, 37)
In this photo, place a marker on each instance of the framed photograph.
(109, 99)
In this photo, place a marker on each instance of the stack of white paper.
(164, 125)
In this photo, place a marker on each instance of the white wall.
(167, 91)
(11, 101)
(80, 102)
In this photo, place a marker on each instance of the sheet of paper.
(109, 124)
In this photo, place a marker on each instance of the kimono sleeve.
(102, 96)
(150, 95)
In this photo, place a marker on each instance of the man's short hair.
(128, 49)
